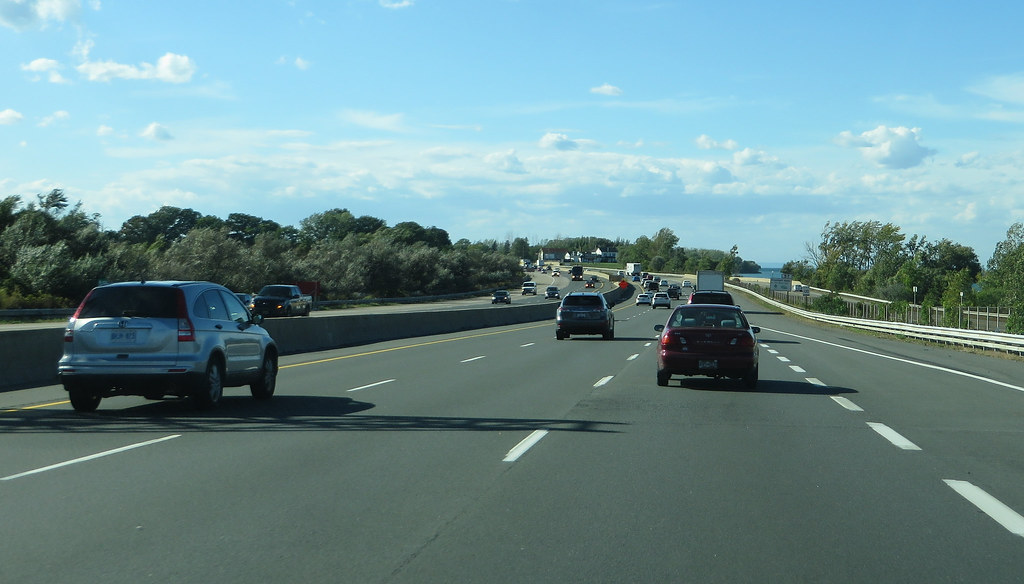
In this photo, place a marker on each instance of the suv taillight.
(69, 331)
(186, 332)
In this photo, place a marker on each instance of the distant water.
(773, 271)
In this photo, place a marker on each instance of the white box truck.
(710, 280)
(634, 269)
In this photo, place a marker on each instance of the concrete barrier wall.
(29, 357)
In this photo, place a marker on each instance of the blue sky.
(739, 123)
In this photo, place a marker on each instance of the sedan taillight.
(743, 340)
(670, 340)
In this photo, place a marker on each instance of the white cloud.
(888, 147)
(47, 66)
(506, 162)
(156, 131)
(705, 142)
(1006, 88)
(9, 116)
(606, 89)
(395, 4)
(749, 157)
(170, 68)
(104, 131)
(558, 142)
(302, 64)
(56, 116)
(967, 159)
(374, 120)
(24, 14)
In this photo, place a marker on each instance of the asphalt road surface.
(503, 455)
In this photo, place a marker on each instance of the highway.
(503, 455)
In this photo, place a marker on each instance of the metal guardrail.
(992, 341)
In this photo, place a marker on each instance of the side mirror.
(258, 319)
(756, 329)
(659, 327)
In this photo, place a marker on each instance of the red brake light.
(186, 332)
(744, 340)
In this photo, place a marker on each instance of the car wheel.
(750, 379)
(609, 334)
(663, 377)
(264, 387)
(83, 400)
(288, 311)
(210, 389)
(559, 335)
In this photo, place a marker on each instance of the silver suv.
(154, 339)
(586, 313)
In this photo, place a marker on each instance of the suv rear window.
(582, 301)
(129, 301)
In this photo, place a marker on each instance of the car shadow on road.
(779, 386)
(282, 413)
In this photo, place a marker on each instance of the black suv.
(711, 297)
(584, 313)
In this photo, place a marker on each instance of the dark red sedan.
(712, 340)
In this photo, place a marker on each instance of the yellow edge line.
(36, 407)
(412, 346)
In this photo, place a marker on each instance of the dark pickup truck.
(282, 300)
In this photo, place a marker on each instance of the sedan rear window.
(128, 301)
(714, 318)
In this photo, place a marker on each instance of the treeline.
(659, 253)
(878, 260)
(52, 253)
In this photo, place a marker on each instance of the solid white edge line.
(989, 505)
(527, 443)
(846, 403)
(901, 360)
(893, 436)
(90, 457)
(604, 380)
(371, 385)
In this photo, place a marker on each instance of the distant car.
(636, 278)
(586, 313)
(674, 291)
(687, 284)
(245, 299)
(710, 297)
(712, 340)
(530, 288)
(800, 288)
(661, 299)
(643, 299)
(160, 338)
(552, 292)
(555, 274)
(501, 296)
(589, 284)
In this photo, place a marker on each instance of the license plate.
(123, 337)
(707, 364)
